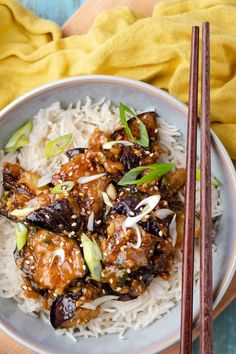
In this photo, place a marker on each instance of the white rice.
(116, 316)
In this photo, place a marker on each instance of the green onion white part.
(21, 232)
(20, 138)
(109, 144)
(87, 179)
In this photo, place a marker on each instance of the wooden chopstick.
(189, 214)
(206, 295)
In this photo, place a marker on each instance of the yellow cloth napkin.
(154, 49)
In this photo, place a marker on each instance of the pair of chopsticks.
(206, 321)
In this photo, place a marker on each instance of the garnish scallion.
(21, 232)
(57, 146)
(20, 138)
(92, 256)
(63, 187)
(214, 181)
(109, 144)
(144, 138)
(156, 170)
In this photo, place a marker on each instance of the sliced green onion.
(44, 180)
(20, 138)
(214, 181)
(92, 305)
(106, 199)
(63, 187)
(150, 203)
(57, 146)
(21, 213)
(21, 232)
(144, 138)
(108, 145)
(156, 170)
(92, 256)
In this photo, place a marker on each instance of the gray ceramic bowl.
(41, 338)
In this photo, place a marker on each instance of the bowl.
(33, 332)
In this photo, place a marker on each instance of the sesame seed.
(81, 194)
(147, 152)
(160, 233)
(24, 287)
(111, 281)
(70, 174)
(32, 267)
(165, 203)
(83, 210)
(127, 189)
(131, 213)
(140, 278)
(156, 130)
(117, 242)
(104, 254)
(118, 289)
(84, 267)
(47, 216)
(98, 222)
(60, 181)
(27, 262)
(62, 244)
(73, 216)
(156, 188)
(151, 154)
(74, 224)
(69, 260)
(103, 291)
(128, 271)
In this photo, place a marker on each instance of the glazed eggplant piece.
(60, 216)
(173, 182)
(127, 206)
(120, 258)
(18, 180)
(137, 155)
(66, 310)
(90, 193)
(20, 186)
(51, 261)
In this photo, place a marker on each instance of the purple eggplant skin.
(63, 308)
(151, 226)
(55, 217)
(129, 158)
(127, 204)
(72, 152)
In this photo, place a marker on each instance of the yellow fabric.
(154, 49)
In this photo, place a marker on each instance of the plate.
(33, 332)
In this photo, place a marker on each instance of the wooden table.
(59, 10)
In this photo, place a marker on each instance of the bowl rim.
(76, 80)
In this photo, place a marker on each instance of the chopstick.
(189, 212)
(206, 292)
(206, 295)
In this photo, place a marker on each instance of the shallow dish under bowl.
(38, 336)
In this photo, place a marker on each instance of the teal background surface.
(225, 324)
